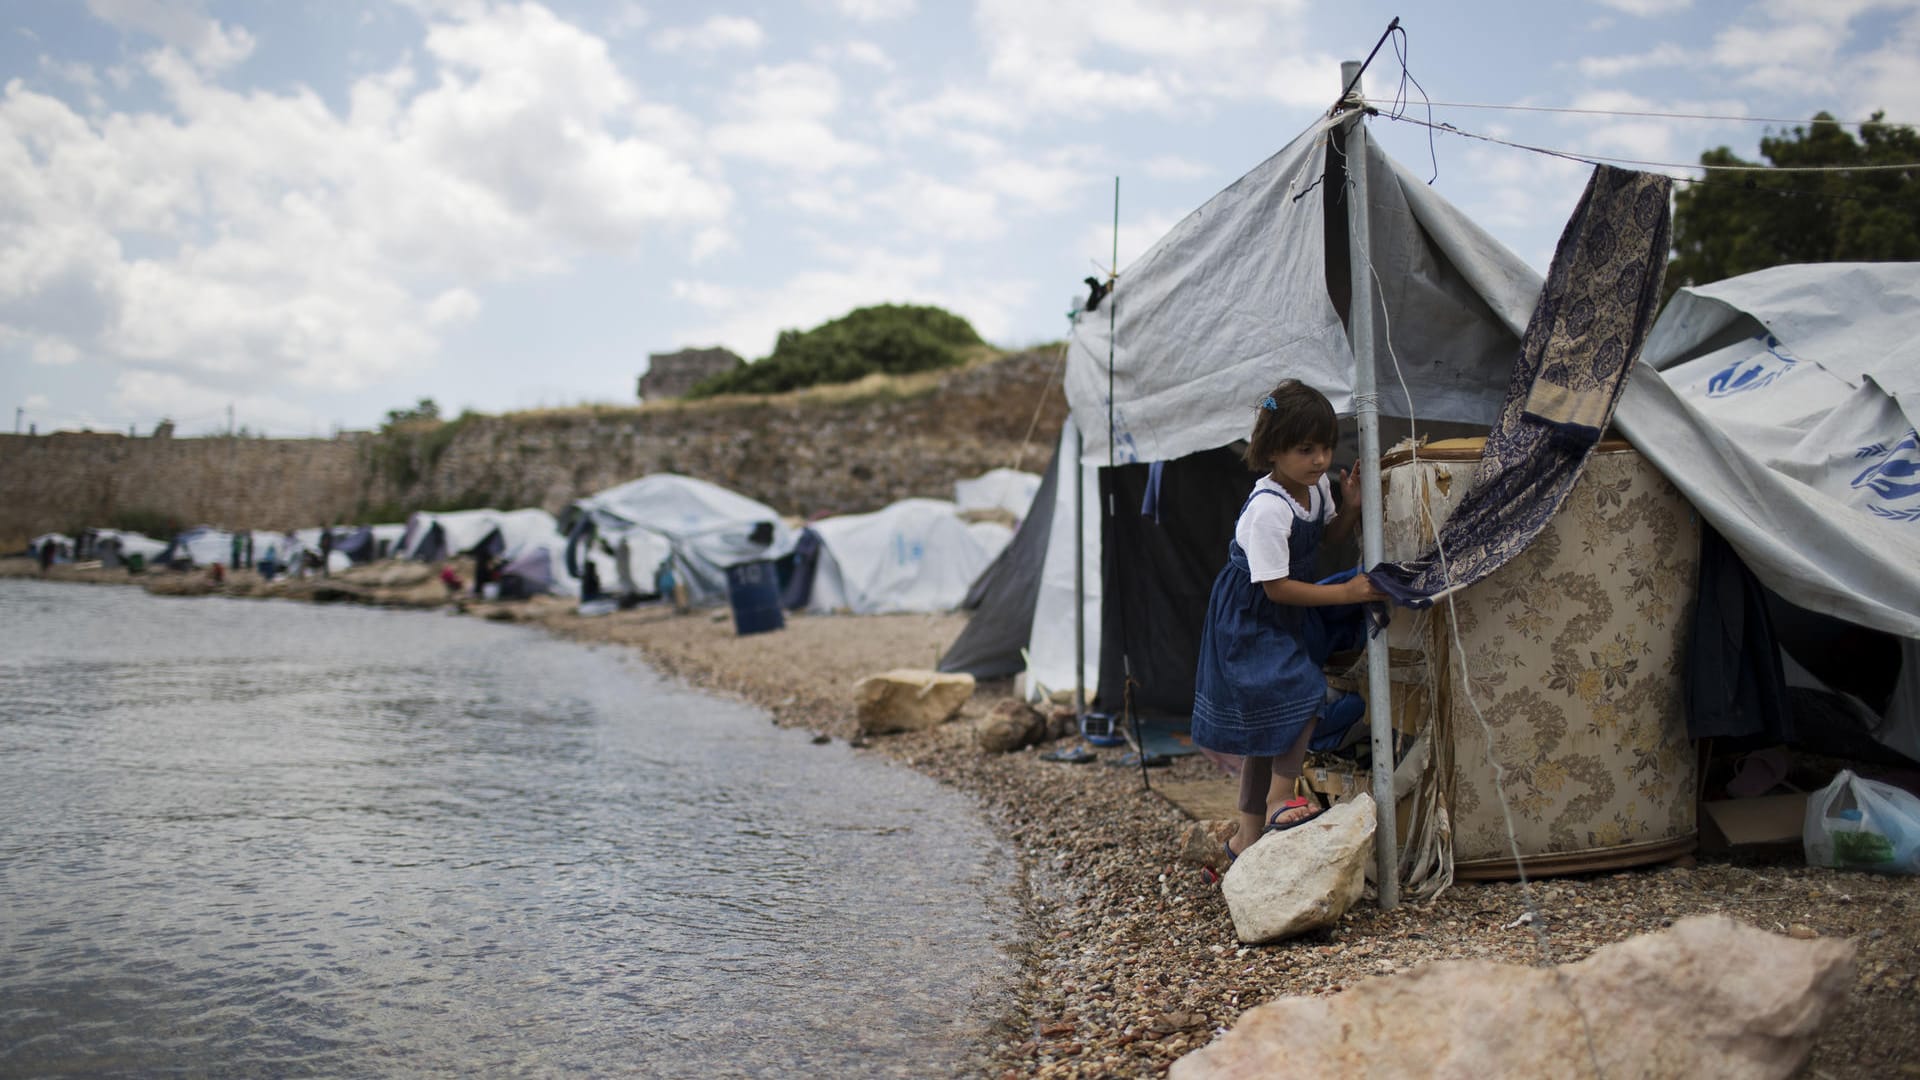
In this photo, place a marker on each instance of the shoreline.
(1127, 958)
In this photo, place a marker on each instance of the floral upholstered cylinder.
(1566, 672)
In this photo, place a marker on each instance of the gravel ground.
(1130, 959)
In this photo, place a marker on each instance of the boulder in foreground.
(1302, 879)
(909, 699)
(1711, 997)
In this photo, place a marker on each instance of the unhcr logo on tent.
(1752, 372)
(1894, 476)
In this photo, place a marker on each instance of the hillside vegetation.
(887, 339)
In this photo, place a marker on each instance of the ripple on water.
(242, 839)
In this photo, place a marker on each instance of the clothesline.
(1592, 159)
(1385, 103)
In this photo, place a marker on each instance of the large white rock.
(1709, 998)
(909, 699)
(1291, 882)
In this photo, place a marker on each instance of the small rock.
(1011, 725)
(1302, 879)
(909, 699)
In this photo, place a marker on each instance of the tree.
(895, 339)
(1736, 221)
(425, 409)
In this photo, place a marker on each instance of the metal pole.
(1386, 843)
(1079, 578)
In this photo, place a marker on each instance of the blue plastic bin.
(753, 588)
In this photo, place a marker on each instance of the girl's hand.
(1350, 486)
(1360, 590)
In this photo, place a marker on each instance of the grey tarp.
(1235, 297)
(1782, 404)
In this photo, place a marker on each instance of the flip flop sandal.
(1298, 802)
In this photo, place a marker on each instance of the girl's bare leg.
(1286, 772)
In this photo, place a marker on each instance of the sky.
(294, 216)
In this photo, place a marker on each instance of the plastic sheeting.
(998, 489)
(1783, 404)
(707, 527)
(1235, 297)
(431, 537)
(915, 555)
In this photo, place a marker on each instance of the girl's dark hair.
(1292, 413)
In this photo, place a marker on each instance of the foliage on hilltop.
(891, 339)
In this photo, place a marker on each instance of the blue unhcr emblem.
(1753, 372)
(1894, 476)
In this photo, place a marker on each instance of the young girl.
(1259, 690)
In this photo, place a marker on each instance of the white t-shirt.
(1267, 523)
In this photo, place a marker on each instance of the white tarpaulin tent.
(707, 528)
(1783, 404)
(202, 545)
(431, 537)
(997, 489)
(515, 530)
(1236, 296)
(114, 546)
(914, 555)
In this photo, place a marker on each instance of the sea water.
(244, 838)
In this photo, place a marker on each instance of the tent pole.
(1079, 579)
(1366, 400)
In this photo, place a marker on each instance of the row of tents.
(634, 541)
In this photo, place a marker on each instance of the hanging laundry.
(1593, 315)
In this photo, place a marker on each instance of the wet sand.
(1129, 959)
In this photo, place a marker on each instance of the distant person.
(46, 557)
(1259, 691)
(590, 582)
(450, 578)
(326, 550)
(482, 571)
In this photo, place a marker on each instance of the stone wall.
(838, 450)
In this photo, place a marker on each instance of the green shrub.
(891, 339)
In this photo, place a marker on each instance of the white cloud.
(195, 406)
(717, 34)
(1172, 167)
(874, 10)
(780, 116)
(453, 306)
(1884, 79)
(1664, 55)
(748, 320)
(1647, 8)
(54, 353)
(284, 244)
(181, 24)
(866, 52)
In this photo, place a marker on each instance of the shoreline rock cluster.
(1129, 960)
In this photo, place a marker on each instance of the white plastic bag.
(1857, 824)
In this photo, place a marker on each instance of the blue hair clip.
(1269, 404)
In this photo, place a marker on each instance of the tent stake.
(1366, 401)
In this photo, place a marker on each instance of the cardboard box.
(1766, 821)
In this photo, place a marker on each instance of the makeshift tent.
(997, 489)
(113, 547)
(914, 555)
(369, 543)
(1783, 404)
(1246, 290)
(61, 543)
(706, 528)
(515, 530)
(431, 537)
(202, 545)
